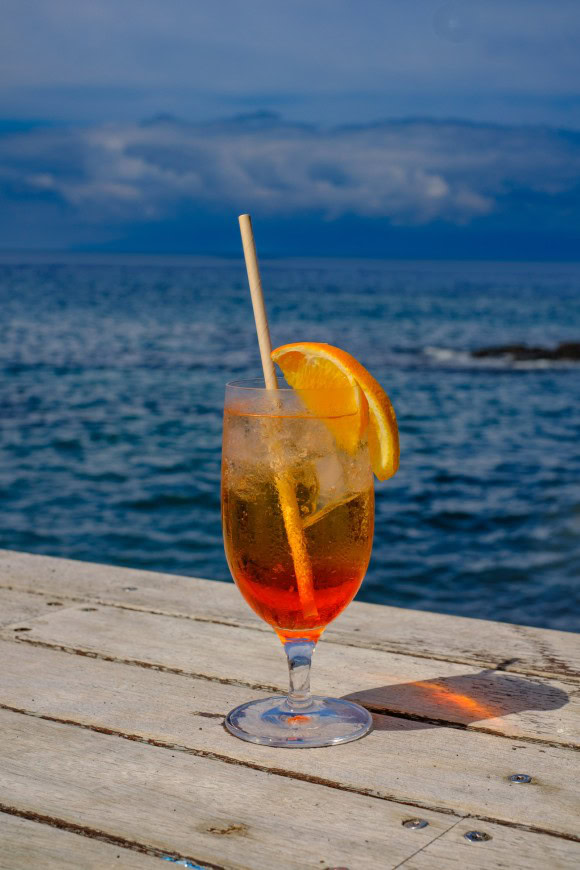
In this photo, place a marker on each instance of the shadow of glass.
(461, 699)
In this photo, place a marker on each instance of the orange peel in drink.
(315, 369)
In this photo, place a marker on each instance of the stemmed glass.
(298, 517)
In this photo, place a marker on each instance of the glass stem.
(299, 653)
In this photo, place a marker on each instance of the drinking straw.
(284, 483)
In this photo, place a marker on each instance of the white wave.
(447, 354)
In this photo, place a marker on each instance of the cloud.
(105, 178)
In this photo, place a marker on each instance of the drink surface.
(334, 497)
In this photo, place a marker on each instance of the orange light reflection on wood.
(465, 703)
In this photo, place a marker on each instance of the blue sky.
(381, 128)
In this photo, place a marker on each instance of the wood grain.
(506, 850)
(446, 692)
(204, 809)
(434, 767)
(25, 844)
(113, 743)
(517, 649)
(19, 606)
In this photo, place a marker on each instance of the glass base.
(324, 722)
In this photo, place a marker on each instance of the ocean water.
(111, 398)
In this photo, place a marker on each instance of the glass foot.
(324, 722)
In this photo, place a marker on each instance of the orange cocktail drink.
(298, 466)
(275, 448)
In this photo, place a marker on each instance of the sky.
(372, 128)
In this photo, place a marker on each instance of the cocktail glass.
(298, 517)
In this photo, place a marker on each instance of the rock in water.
(521, 352)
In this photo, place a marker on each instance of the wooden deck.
(113, 688)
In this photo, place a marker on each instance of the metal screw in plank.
(477, 836)
(415, 824)
(520, 777)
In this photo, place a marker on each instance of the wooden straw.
(284, 483)
(258, 304)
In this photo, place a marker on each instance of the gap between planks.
(137, 663)
(441, 637)
(505, 848)
(264, 687)
(142, 792)
(559, 671)
(295, 775)
(67, 628)
(111, 839)
(506, 665)
(162, 707)
(263, 768)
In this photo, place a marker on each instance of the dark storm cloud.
(106, 178)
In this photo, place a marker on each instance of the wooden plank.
(25, 844)
(207, 810)
(516, 648)
(498, 703)
(507, 848)
(16, 605)
(434, 767)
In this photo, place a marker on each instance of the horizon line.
(11, 256)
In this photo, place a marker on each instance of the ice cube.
(331, 478)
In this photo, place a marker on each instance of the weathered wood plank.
(434, 767)
(499, 703)
(507, 848)
(518, 649)
(16, 605)
(25, 844)
(207, 810)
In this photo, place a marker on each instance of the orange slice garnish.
(320, 368)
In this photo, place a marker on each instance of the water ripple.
(111, 402)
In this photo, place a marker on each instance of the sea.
(112, 381)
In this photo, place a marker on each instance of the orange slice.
(311, 365)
